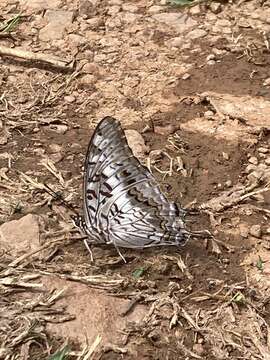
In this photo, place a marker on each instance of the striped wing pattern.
(123, 204)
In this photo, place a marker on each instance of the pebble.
(196, 34)
(244, 230)
(91, 68)
(255, 175)
(225, 156)
(60, 129)
(267, 161)
(88, 79)
(209, 114)
(155, 9)
(263, 150)
(186, 76)
(256, 231)
(164, 130)
(250, 168)
(211, 62)
(266, 82)
(198, 349)
(210, 57)
(69, 99)
(215, 7)
(253, 160)
(228, 183)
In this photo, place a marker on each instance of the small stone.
(60, 129)
(58, 21)
(176, 42)
(136, 143)
(211, 62)
(253, 160)
(180, 22)
(262, 167)
(155, 9)
(266, 82)
(244, 230)
(114, 10)
(267, 161)
(186, 76)
(69, 99)
(223, 22)
(21, 235)
(130, 8)
(268, 230)
(88, 79)
(215, 7)
(210, 57)
(195, 10)
(198, 349)
(209, 114)
(225, 156)
(95, 22)
(263, 150)
(54, 148)
(91, 68)
(228, 183)
(164, 130)
(255, 175)
(196, 34)
(86, 9)
(250, 168)
(256, 231)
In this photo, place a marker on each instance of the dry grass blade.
(38, 57)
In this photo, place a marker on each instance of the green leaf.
(60, 355)
(11, 24)
(239, 298)
(138, 273)
(181, 2)
(260, 264)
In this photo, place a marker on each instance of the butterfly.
(122, 201)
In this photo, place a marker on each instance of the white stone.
(180, 22)
(58, 21)
(196, 34)
(20, 236)
(136, 143)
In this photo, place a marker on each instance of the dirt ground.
(194, 82)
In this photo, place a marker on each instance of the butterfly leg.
(88, 248)
(120, 254)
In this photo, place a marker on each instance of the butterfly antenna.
(58, 196)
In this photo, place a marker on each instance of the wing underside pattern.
(123, 204)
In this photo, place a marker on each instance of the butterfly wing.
(123, 203)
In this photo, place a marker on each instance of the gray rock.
(180, 22)
(58, 21)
